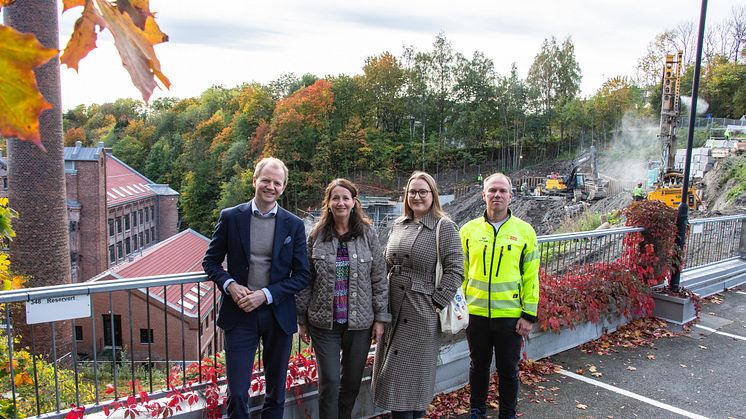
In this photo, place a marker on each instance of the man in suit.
(267, 265)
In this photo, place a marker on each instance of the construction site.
(644, 161)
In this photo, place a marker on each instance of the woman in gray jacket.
(347, 300)
(407, 353)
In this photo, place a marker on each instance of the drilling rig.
(669, 182)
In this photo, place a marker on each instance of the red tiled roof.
(124, 183)
(181, 253)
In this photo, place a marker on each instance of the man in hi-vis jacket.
(501, 284)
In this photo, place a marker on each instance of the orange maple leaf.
(83, 39)
(20, 100)
(135, 32)
(135, 48)
(23, 378)
(69, 4)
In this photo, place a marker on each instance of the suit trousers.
(240, 347)
(338, 392)
(487, 336)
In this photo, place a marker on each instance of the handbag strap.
(437, 254)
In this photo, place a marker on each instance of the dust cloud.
(633, 146)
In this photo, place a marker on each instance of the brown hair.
(435, 209)
(358, 218)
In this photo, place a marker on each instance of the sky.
(230, 42)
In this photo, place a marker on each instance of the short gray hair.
(498, 174)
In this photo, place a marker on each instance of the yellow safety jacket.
(501, 268)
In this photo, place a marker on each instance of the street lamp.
(682, 214)
(417, 124)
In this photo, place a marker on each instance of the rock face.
(544, 213)
(719, 181)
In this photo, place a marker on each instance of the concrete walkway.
(699, 374)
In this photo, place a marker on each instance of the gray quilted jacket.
(368, 294)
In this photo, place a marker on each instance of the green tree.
(237, 190)
(131, 151)
(554, 79)
(475, 93)
(199, 195)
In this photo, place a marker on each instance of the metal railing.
(711, 240)
(180, 332)
(560, 253)
(105, 355)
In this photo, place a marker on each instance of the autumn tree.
(724, 87)
(383, 82)
(300, 122)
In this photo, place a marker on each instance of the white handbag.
(455, 316)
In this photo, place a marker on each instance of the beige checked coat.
(405, 362)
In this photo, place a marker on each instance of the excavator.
(668, 181)
(578, 185)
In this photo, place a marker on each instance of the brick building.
(3, 176)
(153, 321)
(114, 212)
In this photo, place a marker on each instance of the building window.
(111, 227)
(5, 183)
(152, 233)
(119, 250)
(126, 222)
(127, 248)
(152, 213)
(69, 165)
(141, 219)
(134, 219)
(73, 226)
(134, 242)
(78, 333)
(147, 215)
(142, 243)
(146, 336)
(119, 224)
(112, 256)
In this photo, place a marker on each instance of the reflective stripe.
(531, 308)
(530, 257)
(494, 304)
(495, 287)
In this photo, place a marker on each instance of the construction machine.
(668, 183)
(578, 185)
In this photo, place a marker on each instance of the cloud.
(230, 35)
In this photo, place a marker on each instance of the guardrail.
(105, 355)
(710, 240)
(560, 253)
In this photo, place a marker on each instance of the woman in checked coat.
(406, 355)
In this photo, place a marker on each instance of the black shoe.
(477, 413)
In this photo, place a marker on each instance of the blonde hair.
(435, 208)
(271, 161)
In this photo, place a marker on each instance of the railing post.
(742, 243)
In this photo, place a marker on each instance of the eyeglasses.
(422, 193)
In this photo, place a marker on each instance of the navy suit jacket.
(289, 272)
